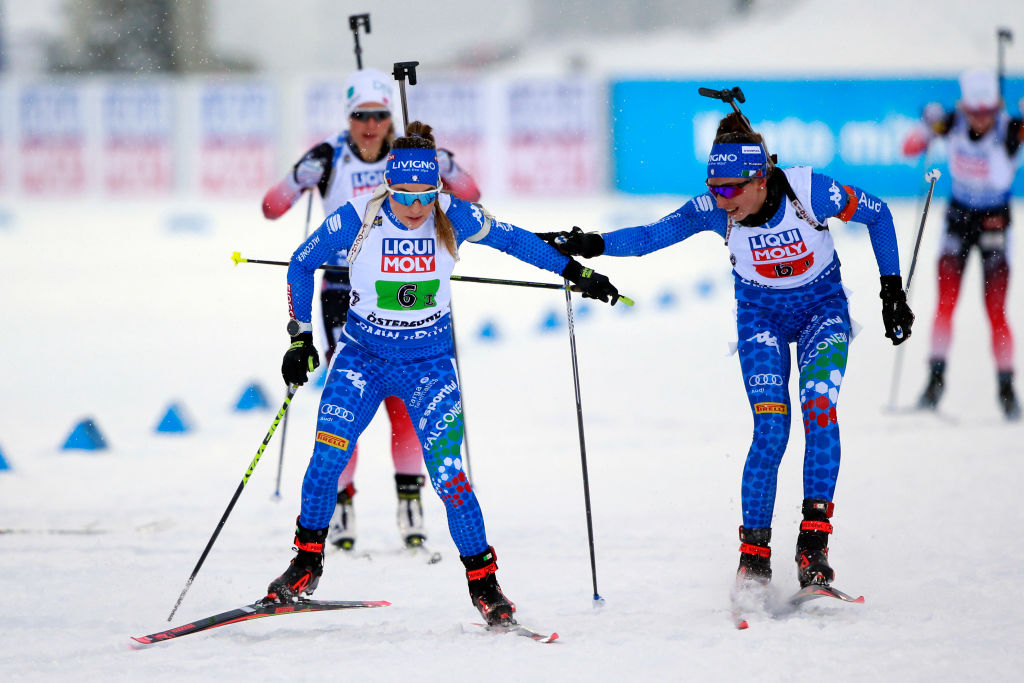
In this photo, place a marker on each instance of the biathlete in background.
(344, 166)
(788, 290)
(397, 341)
(984, 145)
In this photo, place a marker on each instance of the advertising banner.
(456, 109)
(236, 138)
(137, 139)
(555, 137)
(850, 129)
(52, 139)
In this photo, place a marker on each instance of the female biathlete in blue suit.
(402, 244)
(788, 289)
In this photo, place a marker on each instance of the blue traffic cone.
(174, 420)
(252, 398)
(489, 331)
(705, 288)
(86, 436)
(551, 321)
(667, 299)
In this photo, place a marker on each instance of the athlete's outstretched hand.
(575, 242)
(300, 358)
(592, 284)
(896, 314)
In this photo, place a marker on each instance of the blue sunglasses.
(410, 198)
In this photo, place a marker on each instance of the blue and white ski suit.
(397, 341)
(788, 289)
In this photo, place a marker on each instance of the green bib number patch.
(407, 296)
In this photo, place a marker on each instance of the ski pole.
(931, 176)
(237, 258)
(897, 368)
(354, 22)
(292, 388)
(598, 600)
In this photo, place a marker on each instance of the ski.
(519, 630)
(815, 591)
(256, 610)
(776, 609)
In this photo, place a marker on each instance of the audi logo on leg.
(765, 381)
(337, 411)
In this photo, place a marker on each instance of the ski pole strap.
(751, 549)
(477, 574)
(809, 525)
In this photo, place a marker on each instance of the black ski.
(255, 611)
(519, 630)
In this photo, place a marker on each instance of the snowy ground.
(116, 316)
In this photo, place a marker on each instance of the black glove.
(575, 242)
(896, 314)
(593, 285)
(300, 358)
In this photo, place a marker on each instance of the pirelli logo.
(779, 408)
(333, 440)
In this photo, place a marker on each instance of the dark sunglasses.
(363, 115)
(728, 191)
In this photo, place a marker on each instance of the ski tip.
(859, 600)
(742, 625)
(550, 639)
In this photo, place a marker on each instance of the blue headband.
(417, 165)
(737, 160)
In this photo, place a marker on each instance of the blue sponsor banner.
(852, 130)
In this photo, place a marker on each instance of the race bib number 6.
(407, 296)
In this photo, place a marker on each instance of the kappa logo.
(334, 440)
(356, 378)
(402, 255)
(478, 214)
(765, 337)
(836, 195)
(772, 408)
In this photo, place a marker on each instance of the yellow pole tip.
(237, 257)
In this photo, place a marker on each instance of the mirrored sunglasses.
(363, 115)
(728, 191)
(410, 198)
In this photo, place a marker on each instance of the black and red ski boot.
(303, 573)
(755, 556)
(484, 590)
(812, 543)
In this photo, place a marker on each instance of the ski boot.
(342, 530)
(933, 392)
(410, 509)
(1008, 399)
(812, 544)
(755, 557)
(484, 590)
(303, 573)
